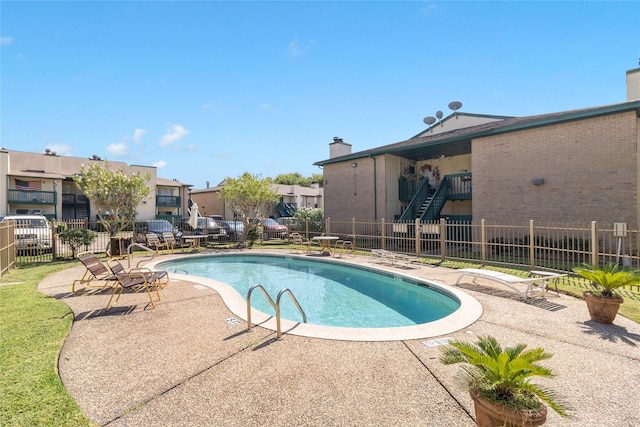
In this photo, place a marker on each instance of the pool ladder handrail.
(275, 305)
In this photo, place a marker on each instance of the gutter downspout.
(375, 188)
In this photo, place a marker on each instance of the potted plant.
(499, 382)
(603, 303)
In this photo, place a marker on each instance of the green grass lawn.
(33, 327)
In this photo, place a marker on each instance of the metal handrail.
(256, 286)
(295, 301)
(275, 305)
(143, 247)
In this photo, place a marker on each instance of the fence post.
(594, 243)
(483, 242)
(532, 256)
(327, 227)
(353, 227)
(383, 243)
(54, 239)
(416, 235)
(306, 227)
(443, 238)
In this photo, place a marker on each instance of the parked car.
(32, 232)
(290, 222)
(209, 226)
(156, 226)
(235, 229)
(273, 230)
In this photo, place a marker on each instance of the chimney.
(207, 184)
(339, 148)
(633, 85)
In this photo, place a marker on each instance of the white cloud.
(137, 134)
(175, 133)
(430, 9)
(160, 164)
(117, 149)
(6, 40)
(294, 49)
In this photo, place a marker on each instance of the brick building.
(570, 166)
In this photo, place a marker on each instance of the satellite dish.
(429, 120)
(455, 105)
(439, 114)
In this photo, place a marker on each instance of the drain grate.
(232, 321)
(437, 342)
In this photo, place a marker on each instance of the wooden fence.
(529, 245)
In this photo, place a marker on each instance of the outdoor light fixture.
(354, 165)
(537, 181)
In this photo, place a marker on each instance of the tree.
(115, 194)
(312, 216)
(296, 178)
(248, 197)
(76, 237)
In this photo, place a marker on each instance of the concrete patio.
(191, 362)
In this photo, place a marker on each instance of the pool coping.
(470, 309)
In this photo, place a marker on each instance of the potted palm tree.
(603, 302)
(499, 382)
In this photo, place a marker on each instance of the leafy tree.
(317, 177)
(249, 197)
(76, 237)
(294, 178)
(312, 215)
(115, 194)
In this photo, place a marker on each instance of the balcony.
(20, 197)
(168, 201)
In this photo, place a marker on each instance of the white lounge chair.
(388, 257)
(532, 283)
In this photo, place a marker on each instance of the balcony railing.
(173, 201)
(20, 197)
(74, 199)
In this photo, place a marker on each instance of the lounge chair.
(154, 242)
(95, 271)
(531, 283)
(392, 258)
(161, 276)
(298, 240)
(136, 279)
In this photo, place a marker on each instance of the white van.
(32, 232)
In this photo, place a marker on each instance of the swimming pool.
(336, 296)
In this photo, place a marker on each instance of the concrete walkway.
(191, 362)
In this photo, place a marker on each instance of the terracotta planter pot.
(492, 414)
(602, 310)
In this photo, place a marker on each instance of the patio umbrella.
(193, 216)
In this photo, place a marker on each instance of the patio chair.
(169, 240)
(154, 242)
(298, 240)
(346, 245)
(135, 280)
(161, 276)
(95, 271)
(530, 284)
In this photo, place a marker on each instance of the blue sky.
(206, 89)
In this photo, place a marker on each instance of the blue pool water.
(331, 294)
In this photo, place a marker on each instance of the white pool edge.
(470, 310)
